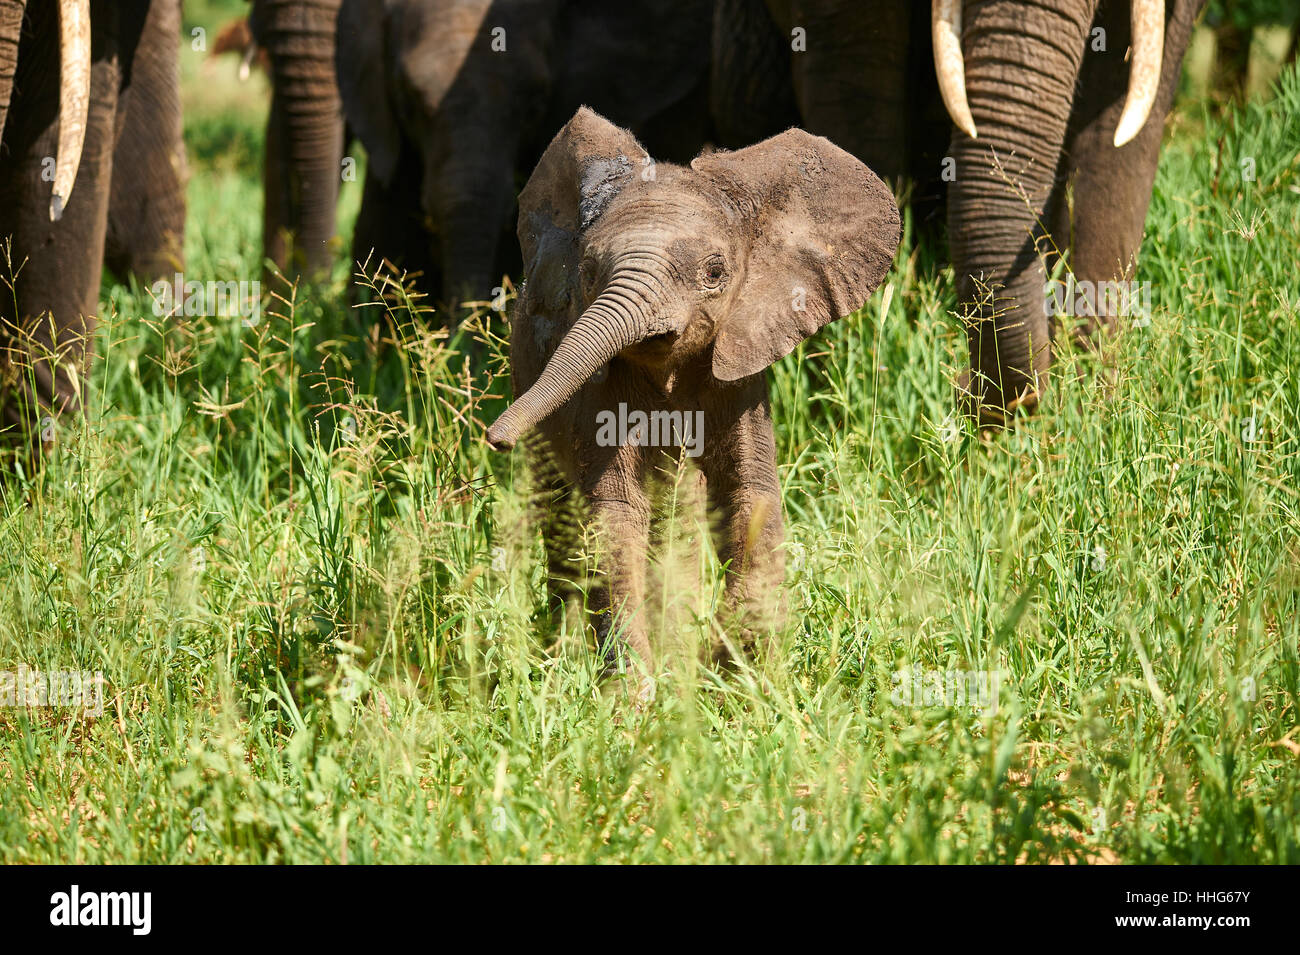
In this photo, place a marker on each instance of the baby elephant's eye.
(713, 272)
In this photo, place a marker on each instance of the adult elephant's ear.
(586, 165)
(362, 62)
(823, 231)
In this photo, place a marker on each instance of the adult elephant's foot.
(989, 406)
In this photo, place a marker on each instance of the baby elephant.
(656, 297)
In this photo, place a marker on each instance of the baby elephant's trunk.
(611, 324)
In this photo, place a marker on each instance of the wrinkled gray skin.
(1045, 105)
(865, 81)
(126, 208)
(304, 133)
(451, 125)
(675, 294)
(146, 209)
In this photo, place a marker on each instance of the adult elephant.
(454, 100)
(92, 170)
(304, 133)
(1046, 102)
(1060, 97)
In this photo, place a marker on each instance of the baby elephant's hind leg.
(617, 597)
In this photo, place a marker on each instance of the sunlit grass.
(316, 601)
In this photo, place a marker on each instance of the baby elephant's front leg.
(620, 522)
(745, 501)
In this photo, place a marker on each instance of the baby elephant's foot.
(633, 683)
(622, 654)
(738, 645)
(646, 688)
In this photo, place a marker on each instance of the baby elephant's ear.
(586, 165)
(824, 230)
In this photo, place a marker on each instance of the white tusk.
(949, 67)
(74, 98)
(1144, 68)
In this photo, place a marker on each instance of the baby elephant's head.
(746, 253)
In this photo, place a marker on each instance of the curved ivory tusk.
(74, 98)
(246, 64)
(949, 67)
(1144, 69)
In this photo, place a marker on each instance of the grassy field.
(315, 600)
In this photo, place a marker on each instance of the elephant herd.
(1035, 126)
(703, 191)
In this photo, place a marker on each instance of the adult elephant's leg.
(1112, 186)
(146, 213)
(304, 133)
(1021, 65)
(390, 226)
(48, 320)
(751, 96)
(469, 198)
(851, 83)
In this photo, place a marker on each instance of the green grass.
(353, 669)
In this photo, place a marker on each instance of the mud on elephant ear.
(586, 165)
(824, 230)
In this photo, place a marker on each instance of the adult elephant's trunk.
(1011, 72)
(1020, 66)
(11, 21)
(617, 319)
(304, 135)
